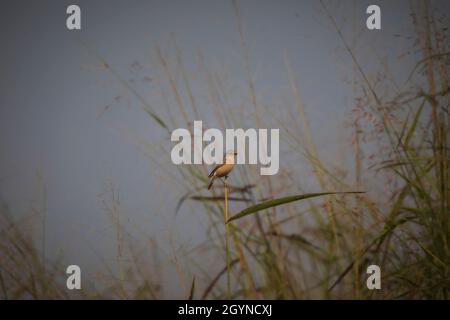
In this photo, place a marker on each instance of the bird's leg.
(223, 179)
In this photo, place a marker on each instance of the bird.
(222, 170)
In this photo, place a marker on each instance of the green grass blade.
(277, 202)
(192, 291)
(158, 120)
(413, 127)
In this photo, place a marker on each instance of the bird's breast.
(224, 169)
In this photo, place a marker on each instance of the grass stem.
(227, 247)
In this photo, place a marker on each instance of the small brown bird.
(222, 170)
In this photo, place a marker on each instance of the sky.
(69, 129)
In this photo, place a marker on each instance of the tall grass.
(300, 250)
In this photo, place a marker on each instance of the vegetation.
(311, 245)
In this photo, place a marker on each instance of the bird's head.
(229, 156)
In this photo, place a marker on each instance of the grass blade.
(280, 201)
(191, 293)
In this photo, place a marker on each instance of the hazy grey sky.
(54, 92)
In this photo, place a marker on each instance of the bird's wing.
(215, 169)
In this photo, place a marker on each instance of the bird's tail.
(211, 182)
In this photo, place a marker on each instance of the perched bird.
(222, 170)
